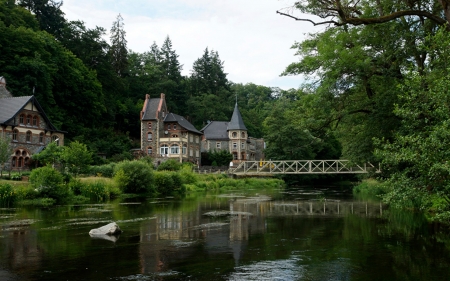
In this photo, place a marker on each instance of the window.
(164, 150)
(243, 135)
(15, 134)
(191, 152)
(174, 126)
(191, 138)
(41, 138)
(234, 134)
(174, 136)
(21, 119)
(149, 124)
(234, 145)
(197, 154)
(28, 120)
(28, 136)
(149, 150)
(35, 121)
(218, 144)
(184, 149)
(243, 145)
(163, 114)
(55, 139)
(168, 127)
(149, 136)
(175, 149)
(235, 156)
(196, 139)
(14, 161)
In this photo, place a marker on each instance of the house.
(232, 136)
(166, 135)
(23, 120)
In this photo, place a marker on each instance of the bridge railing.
(303, 167)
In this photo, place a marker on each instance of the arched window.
(14, 162)
(168, 127)
(20, 162)
(174, 136)
(35, 121)
(28, 120)
(15, 135)
(243, 135)
(175, 149)
(164, 149)
(28, 138)
(41, 138)
(184, 148)
(174, 126)
(21, 118)
(234, 134)
(149, 124)
(149, 150)
(149, 136)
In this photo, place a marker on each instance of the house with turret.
(24, 122)
(233, 137)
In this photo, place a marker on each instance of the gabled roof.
(236, 122)
(172, 117)
(11, 107)
(151, 109)
(216, 130)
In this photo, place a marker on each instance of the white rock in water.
(109, 229)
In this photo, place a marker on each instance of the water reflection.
(253, 236)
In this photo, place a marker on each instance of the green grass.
(369, 189)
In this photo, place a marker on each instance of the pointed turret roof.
(236, 122)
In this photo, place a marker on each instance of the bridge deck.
(272, 167)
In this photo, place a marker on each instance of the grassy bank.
(48, 187)
(369, 189)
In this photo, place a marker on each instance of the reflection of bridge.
(324, 208)
(264, 168)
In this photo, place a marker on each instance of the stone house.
(232, 136)
(166, 135)
(23, 120)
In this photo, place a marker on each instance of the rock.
(112, 238)
(109, 229)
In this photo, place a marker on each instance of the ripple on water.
(141, 277)
(269, 270)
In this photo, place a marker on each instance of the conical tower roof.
(236, 122)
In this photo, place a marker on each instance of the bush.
(168, 182)
(49, 183)
(7, 195)
(134, 177)
(169, 165)
(96, 191)
(187, 175)
(106, 170)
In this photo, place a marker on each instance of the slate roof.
(236, 122)
(216, 130)
(172, 117)
(10, 107)
(151, 109)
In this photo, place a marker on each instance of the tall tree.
(49, 15)
(119, 49)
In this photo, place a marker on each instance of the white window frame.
(149, 136)
(175, 149)
(164, 149)
(218, 145)
(149, 150)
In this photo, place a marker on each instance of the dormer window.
(174, 126)
(168, 127)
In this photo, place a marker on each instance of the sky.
(252, 40)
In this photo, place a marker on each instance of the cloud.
(252, 40)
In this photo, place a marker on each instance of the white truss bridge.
(272, 167)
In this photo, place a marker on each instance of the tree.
(50, 155)
(338, 12)
(119, 49)
(5, 152)
(76, 157)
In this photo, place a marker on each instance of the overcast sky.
(253, 41)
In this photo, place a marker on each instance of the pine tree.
(118, 49)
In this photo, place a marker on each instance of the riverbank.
(102, 189)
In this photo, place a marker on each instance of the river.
(315, 233)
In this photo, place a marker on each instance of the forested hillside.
(94, 88)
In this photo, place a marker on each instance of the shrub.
(7, 195)
(49, 183)
(75, 185)
(187, 175)
(134, 177)
(96, 191)
(169, 165)
(106, 170)
(163, 182)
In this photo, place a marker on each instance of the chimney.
(163, 96)
(147, 96)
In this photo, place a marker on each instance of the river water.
(293, 234)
